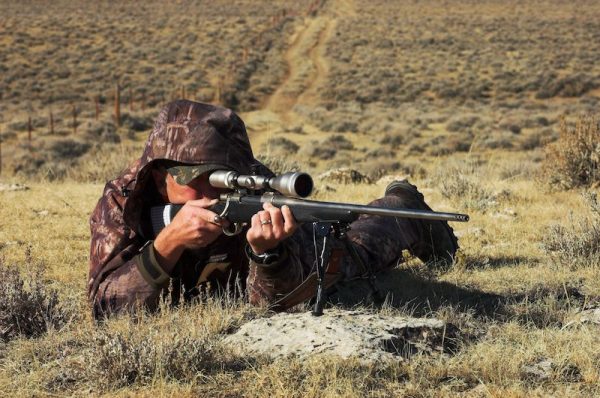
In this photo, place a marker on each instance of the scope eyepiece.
(294, 184)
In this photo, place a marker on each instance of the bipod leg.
(321, 230)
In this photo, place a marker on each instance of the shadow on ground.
(421, 295)
(403, 288)
(479, 262)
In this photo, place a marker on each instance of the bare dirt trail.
(306, 65)
(308, 69)
(319, 63)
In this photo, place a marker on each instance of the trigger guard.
(237, 228)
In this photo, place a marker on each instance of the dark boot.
(437, 240)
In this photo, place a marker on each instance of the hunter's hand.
(193, 227)
(269, 227)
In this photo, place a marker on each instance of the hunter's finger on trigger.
(212, 217)
(217, 220)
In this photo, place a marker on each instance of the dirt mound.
(367, 336)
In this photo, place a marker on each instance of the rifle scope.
(294, 184)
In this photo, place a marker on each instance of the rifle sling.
(308, 288)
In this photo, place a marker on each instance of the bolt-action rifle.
(249, 192)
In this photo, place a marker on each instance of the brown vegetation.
(30, 307)
(573, 160)
(460, 97)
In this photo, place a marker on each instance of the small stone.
(475, 231)
(590, 316)
(12, 187)
(539, 371)
(388, 179)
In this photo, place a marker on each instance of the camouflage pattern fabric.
(378, 241)
(189, 133)
(194, 133)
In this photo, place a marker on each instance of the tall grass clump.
(461, 184)
(28, 306)
(577, 243)
(179, 345)
(140, 354)
(572, 161)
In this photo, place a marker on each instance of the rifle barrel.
(365, 209)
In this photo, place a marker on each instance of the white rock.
(388, 179)
(475, 231)
(366, 336)
(13, 187)
(539, 371)
(591, 316)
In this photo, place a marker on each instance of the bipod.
(323, 231)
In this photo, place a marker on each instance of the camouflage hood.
(191, 133)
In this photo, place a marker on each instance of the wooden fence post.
(74, 120)
(97, 106)
(29, 129)
(118, 105)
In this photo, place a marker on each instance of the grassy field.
(473, 101)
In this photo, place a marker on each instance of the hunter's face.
(197, 189)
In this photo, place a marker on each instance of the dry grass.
(577, 243)
(460, 97)
(503, 292)
(69, 59)
(573, 160)
(30, 306)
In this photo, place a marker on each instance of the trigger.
(233, 229)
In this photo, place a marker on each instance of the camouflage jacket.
(190, 133)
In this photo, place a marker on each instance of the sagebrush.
(573, 160)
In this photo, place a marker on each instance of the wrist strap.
(268, 258)
(149, 267)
